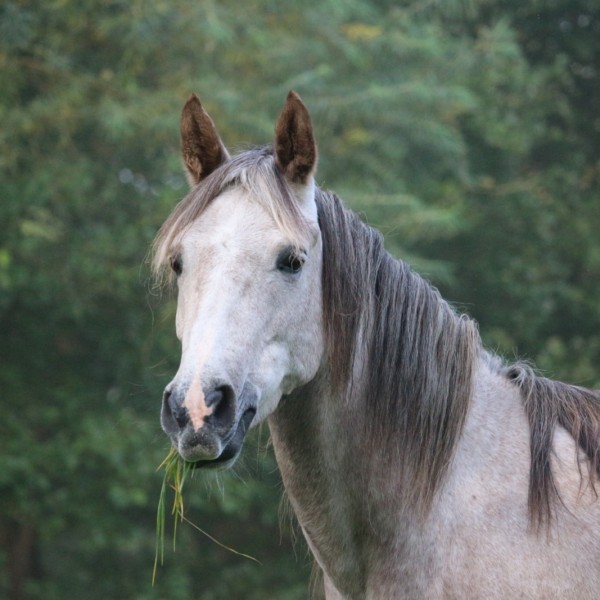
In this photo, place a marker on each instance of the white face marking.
(241, 320)
(195, 403)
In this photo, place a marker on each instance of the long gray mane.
(419, 357)
(417, 354)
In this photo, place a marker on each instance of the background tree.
(466, 130)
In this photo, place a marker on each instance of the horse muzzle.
(209, 432)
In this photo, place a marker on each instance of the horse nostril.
(222, 402)
(175, 404)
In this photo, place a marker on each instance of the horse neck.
(347, 495)
(337, 488)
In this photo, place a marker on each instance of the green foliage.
(466, 130)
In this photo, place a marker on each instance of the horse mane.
(419, 354)
(419, 360)
(549, 404)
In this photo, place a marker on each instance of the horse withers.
(418, 464)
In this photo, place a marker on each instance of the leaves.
(466, 131)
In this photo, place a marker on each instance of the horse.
(419, 464)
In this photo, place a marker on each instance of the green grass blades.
(176, 471)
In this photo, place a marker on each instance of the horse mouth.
(222, 462)
(232, 446)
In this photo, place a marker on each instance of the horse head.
(246, 251)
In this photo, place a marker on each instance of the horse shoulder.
(491, 549)
(491, 464)
(579, 501)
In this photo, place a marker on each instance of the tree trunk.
(19, 540)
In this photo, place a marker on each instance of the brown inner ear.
(295, 147)
(201, 147)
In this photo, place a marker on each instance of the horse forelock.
(256, 173)
(414, 355)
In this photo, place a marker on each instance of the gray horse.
(417, 463)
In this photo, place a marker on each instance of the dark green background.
(468, 131)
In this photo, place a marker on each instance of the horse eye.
(177, 264)
(289, 261)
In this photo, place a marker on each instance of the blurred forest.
(467, 130)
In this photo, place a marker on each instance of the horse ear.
(295, 147)
(201, 147)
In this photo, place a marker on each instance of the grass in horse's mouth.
(176, 471)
